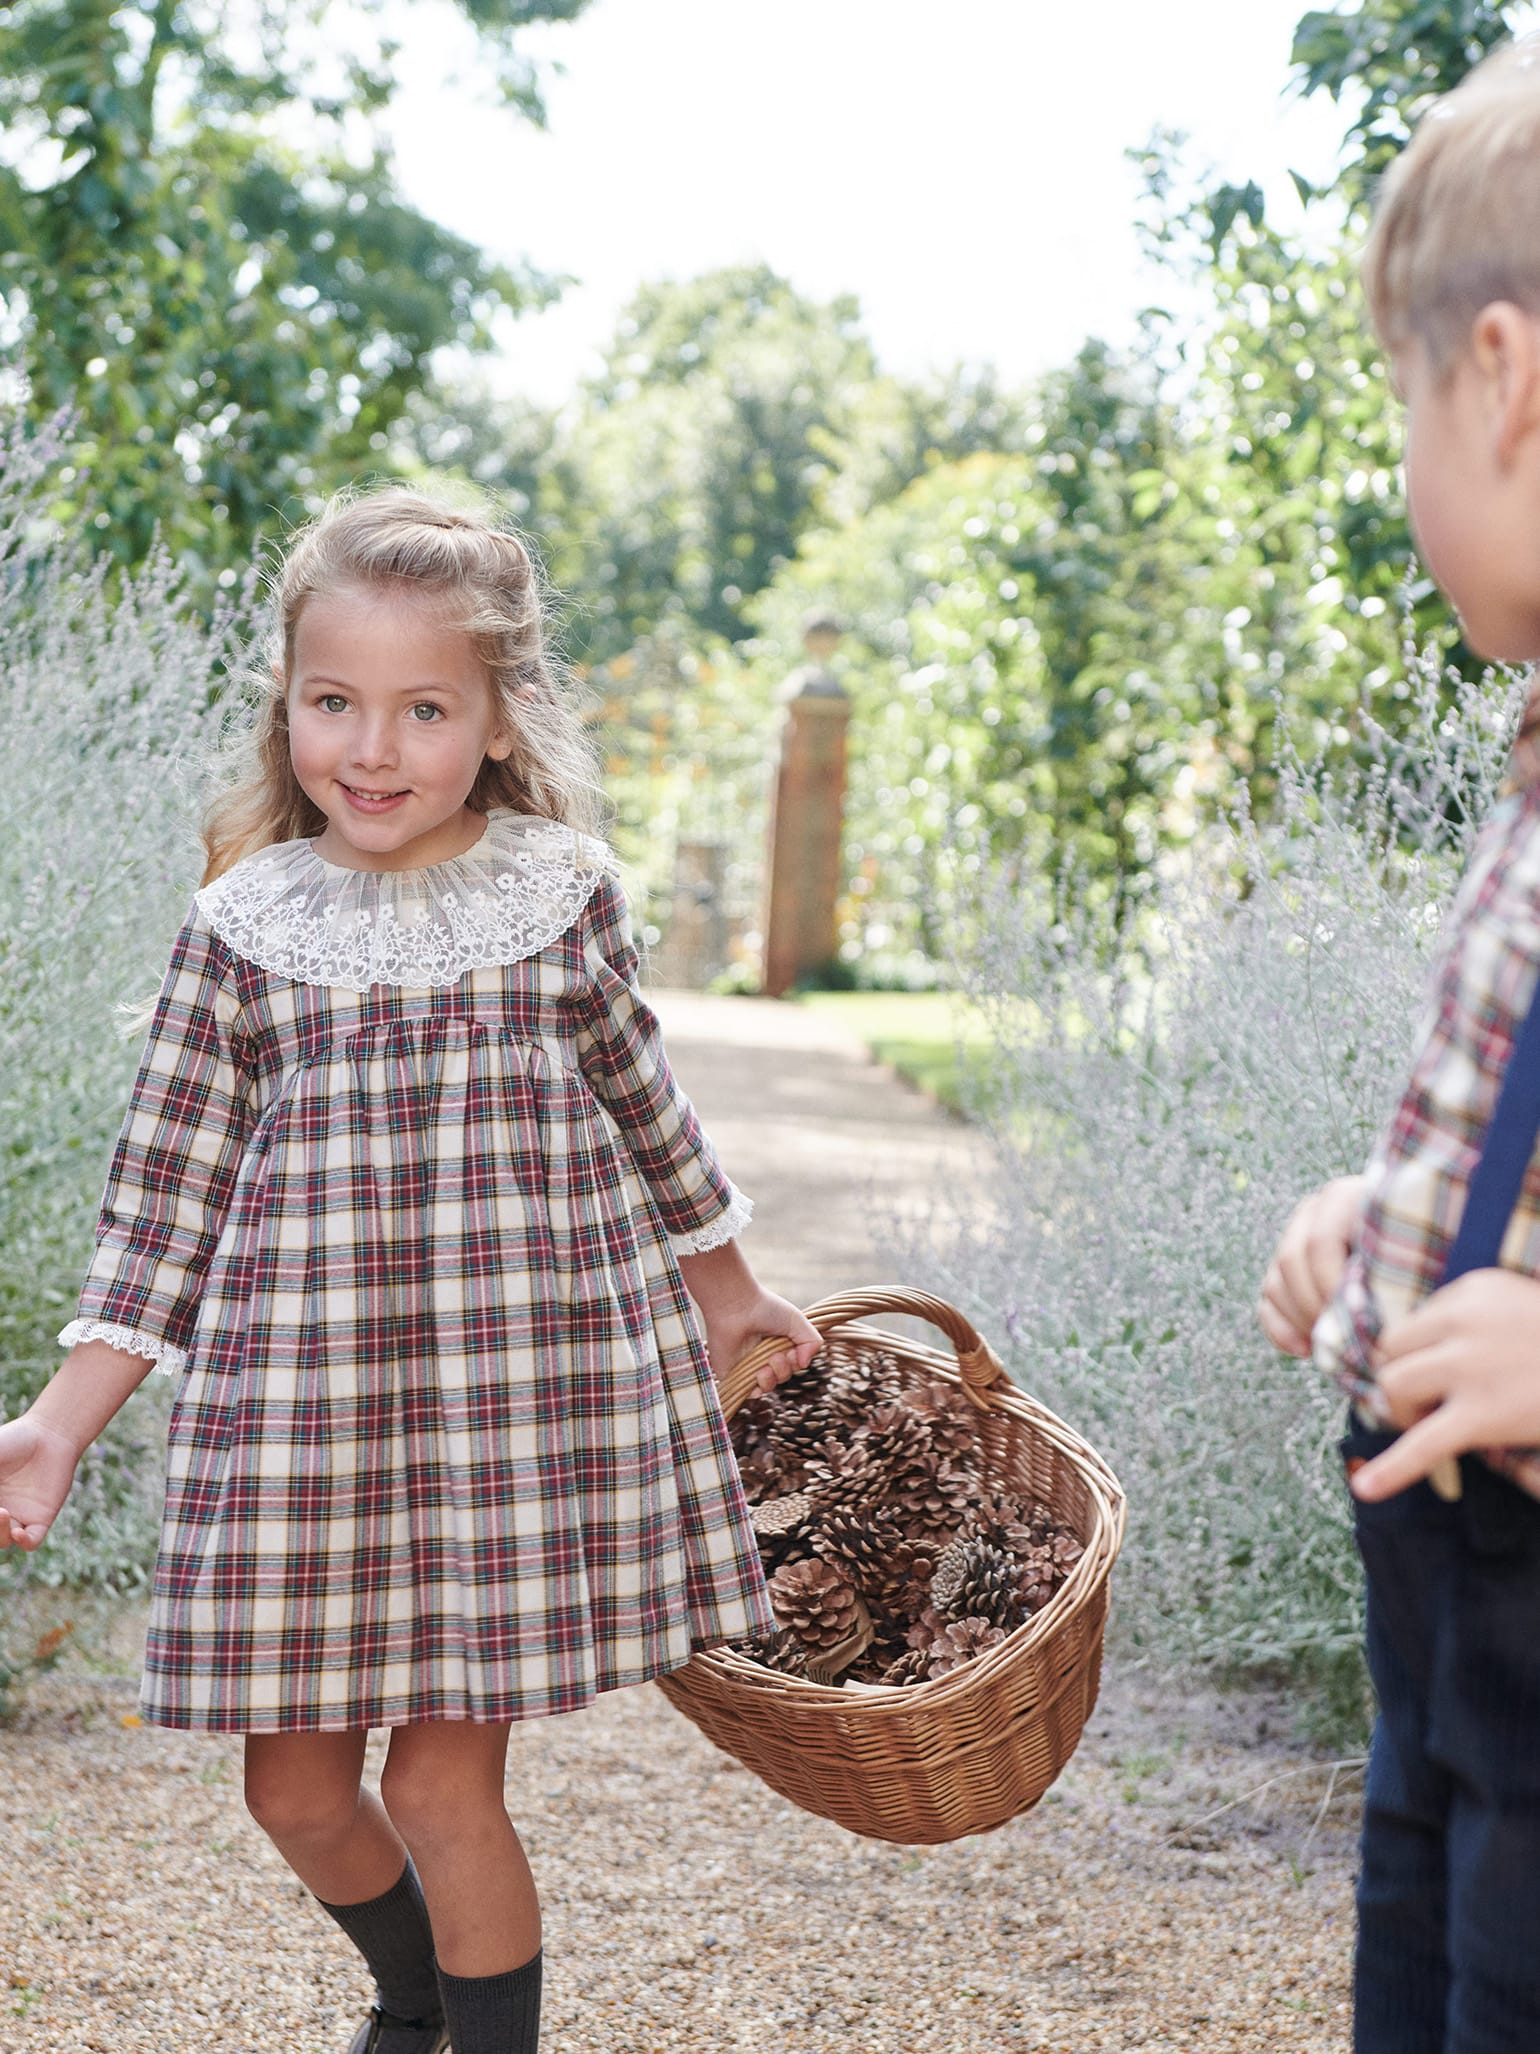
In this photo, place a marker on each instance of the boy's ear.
(1505, 346)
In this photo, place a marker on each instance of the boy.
(1448, 1954)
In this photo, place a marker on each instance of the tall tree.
(695, 459)
(1387, 59)
(732, 415)
(202, 248)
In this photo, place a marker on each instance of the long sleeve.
(1419, 1176)
(175, 1164)
(620, 1050)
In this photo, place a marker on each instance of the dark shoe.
(383, 2033)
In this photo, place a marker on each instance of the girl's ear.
(500, 748)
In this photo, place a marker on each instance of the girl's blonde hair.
(1454, 227)
(481, 576)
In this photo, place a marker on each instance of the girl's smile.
(372, 802)
(391, 716)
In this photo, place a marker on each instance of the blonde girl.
(408, 1200)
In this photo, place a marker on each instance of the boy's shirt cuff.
(1341, 1343)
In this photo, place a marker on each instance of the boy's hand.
(37, 1467)
(730, 1334)
(1308, 1262)
(1461, 1372)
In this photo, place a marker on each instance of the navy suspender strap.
(1505, 1155)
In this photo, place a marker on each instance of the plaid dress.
(1420, 1172)
(446, 1443)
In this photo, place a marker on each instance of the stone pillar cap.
(813, 681)
(822, 620)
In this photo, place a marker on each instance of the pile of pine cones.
(889, 1556)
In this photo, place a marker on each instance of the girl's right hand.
(1308, 1262)
(37, 1467)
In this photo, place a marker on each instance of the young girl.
(409, 1199)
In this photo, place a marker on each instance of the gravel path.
(1185, 1886)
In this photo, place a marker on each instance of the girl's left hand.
(731, 1333)
(1461, 1372)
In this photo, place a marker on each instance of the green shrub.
(1157, 1108)
(108, 688)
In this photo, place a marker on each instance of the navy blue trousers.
(1448, 1956)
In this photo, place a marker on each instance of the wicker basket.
(923, 1762)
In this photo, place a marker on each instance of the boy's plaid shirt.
(1421, 1168)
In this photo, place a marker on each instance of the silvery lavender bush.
(1156, 1104)
(110, 690)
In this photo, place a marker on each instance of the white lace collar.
(515, 891)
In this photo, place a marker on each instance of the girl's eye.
(333, 702)
(425, 712)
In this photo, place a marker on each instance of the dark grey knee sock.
(393, 1935)
(494, 2014)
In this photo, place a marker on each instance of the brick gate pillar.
(804, 867)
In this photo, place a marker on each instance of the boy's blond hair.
(1458, 220)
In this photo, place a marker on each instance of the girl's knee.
(296, 1799)
(431, 1795)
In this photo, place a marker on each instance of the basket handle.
(978, 1365)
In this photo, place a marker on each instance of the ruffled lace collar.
(508, 897)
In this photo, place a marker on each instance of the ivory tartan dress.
(398, 1195)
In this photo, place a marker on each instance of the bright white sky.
(957, 164)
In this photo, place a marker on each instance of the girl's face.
(390, 717)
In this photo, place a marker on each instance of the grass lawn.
(930, 1037)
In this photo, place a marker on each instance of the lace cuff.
(727, 1226)
(168, 1361)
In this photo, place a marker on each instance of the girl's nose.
(374, 745)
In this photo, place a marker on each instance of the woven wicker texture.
(964, 1752)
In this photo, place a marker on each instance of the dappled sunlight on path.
(833, 1149)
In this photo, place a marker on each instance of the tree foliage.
(732, 416)
(1077, 648)
(1387, 59)
(204, 251)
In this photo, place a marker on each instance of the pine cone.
(783, 1526)
(927, 1628)
(845, 1476)
(974, 1580)
(951, 1415)
(782, 1652)
(1004, 1521)
(896, 1438)
(858, 1383)
(901, 1586)
(761, 1473)
(775, 1518)
(857, 1539)
(800, 1424)
(817, 1601)
(961, 1640)
(829, 1664)
(1040, 1576)
(933, 1498)
(750, 1426)
(912, 1666)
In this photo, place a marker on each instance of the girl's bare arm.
(40, 1449)
(738, 1311)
